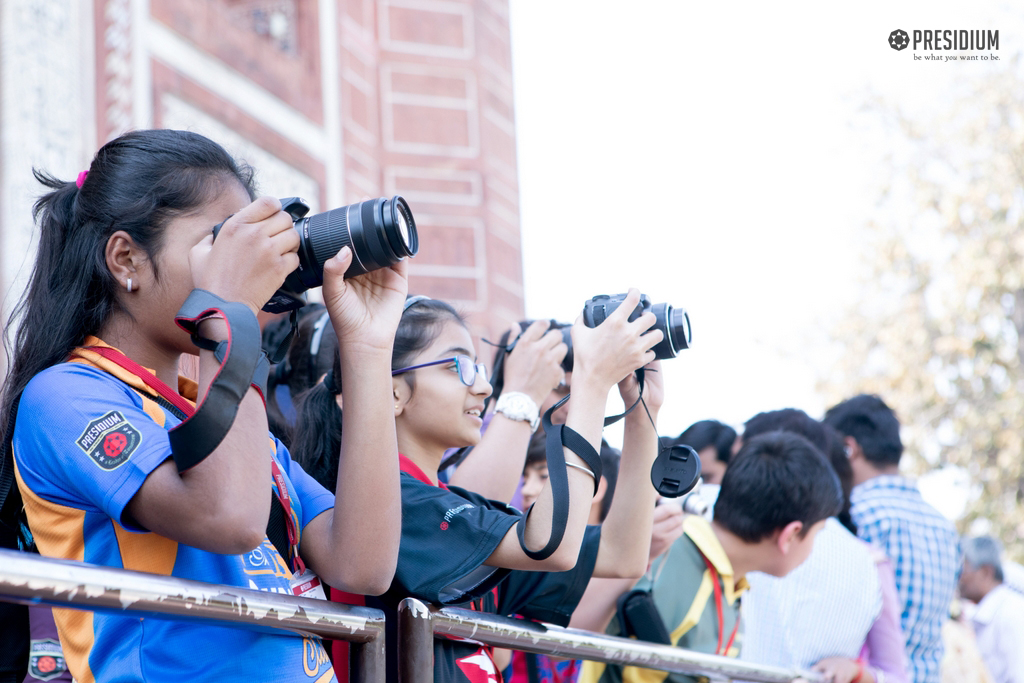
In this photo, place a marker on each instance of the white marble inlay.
(43, 79)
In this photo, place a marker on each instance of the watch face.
(518, 407)
(517, 404)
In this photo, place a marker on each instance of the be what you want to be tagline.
(974, 45)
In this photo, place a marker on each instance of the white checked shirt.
(924, 549)
(999, 627)
(823, 608)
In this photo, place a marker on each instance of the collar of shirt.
(413, 470)
(188, 388)
(885, 481)
(703, 536)
(990, 605)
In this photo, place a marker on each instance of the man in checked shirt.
(890, 512)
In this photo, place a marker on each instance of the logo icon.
(46, 661)
(898, 39)
(110, 440)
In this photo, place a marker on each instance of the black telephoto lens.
(381, 232)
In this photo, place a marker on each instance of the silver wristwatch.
(515, 405)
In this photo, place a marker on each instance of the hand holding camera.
(254, 251)
(653, 389)
(379, 233)
(619, 344)
(534, 366)
(365, 309)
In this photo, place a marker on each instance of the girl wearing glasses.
(457, 547)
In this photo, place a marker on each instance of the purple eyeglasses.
(464, 365)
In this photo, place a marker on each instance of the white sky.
(715, 155)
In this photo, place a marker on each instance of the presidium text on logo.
(960, 40)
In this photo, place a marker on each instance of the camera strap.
(557, 437)
(281, 528)
(242, 364)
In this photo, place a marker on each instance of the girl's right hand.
(609, 352)
(534, 366)
(255, 251)
(366, 309)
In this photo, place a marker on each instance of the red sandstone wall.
(425, 91)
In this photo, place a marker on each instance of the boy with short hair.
(775, 497)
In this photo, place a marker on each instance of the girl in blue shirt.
(120, 250)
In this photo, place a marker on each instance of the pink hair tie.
(81, 179)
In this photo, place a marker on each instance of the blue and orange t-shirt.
(84, 442)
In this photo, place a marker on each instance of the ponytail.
(136, 183)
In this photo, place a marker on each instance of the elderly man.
(999, 619)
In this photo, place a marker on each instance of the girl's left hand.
(365, 309)
(654, 387)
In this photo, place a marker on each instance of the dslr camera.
(381, 232)
(674, 323)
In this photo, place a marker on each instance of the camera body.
(674, 323)
(381, 232)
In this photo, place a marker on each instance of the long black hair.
(310, 355)
(317, 438)
(136, 183)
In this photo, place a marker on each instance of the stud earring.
(128, 284)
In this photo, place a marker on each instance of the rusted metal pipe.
(415, 642)
(30, 579)
(529, 636)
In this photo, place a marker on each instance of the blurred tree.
(939, 332)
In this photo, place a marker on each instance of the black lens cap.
(675, 471)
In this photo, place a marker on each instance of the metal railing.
(31, 580)
(419, 624)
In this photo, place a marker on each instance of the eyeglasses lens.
(467, 370)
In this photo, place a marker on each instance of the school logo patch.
(45, 660)
(110, 440)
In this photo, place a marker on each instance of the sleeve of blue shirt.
(65, 450)
(314, 499)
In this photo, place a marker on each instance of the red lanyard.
(151, 380)
(719, 611)
(182, 404)
(281, 491)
